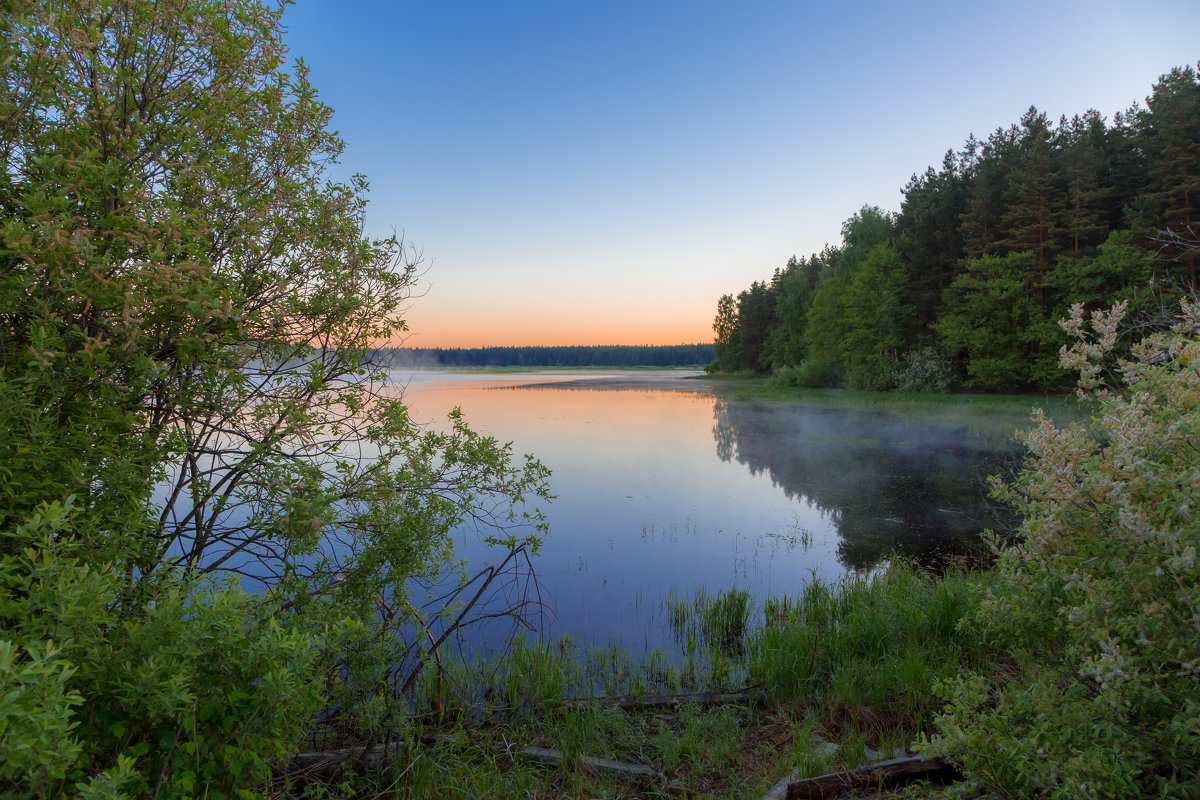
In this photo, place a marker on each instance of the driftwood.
(328, 763)
(702, 699)
(602, 765)
(894, 772)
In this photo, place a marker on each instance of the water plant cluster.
(798, 685)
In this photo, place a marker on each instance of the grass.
(840, 670)
(918, 404)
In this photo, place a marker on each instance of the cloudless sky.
(602, 172)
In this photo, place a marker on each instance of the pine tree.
(1086, 221)
(1170, 130)
(1035, 198)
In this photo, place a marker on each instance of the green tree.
(1117, 269)
(987, 168)
(187, 307)
(825, 364)
(727, 327)
(866, 228)
(786, 344)
(1035, 199)
(1086, 221)
(879, 320)
(928, 227)
(995, 322)
(1170, 136)
(756, 316)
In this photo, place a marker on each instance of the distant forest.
(678, 355)
(965, 285)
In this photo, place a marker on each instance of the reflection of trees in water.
(887, 484)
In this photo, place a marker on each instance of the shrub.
(926, 370)
(1099, 598)
(198, 688)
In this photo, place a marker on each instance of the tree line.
(676, 355)
(963, 287)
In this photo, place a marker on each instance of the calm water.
(664, 485)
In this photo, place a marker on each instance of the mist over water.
(665, 485)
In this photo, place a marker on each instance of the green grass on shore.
(836, 672)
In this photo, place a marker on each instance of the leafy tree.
(866, 228)
(786, 345)
(187, 303)
(1100, 280)
(825, 365)
(727, 327)
(880, 322)
(995, 321)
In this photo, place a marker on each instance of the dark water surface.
(666, 484)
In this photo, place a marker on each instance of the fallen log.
(328, 763)
(886, 774)
(702, 699)
(606, 766)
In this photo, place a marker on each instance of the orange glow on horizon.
(460, 329)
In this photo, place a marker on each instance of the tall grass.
(863, 650)
(852, 661)
(866, 651)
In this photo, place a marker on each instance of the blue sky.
(601, 172)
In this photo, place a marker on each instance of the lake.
(666, 484)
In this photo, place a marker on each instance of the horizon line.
(538, 346)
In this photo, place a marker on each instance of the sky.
(596, 172)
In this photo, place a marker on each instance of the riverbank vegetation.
(1067, 670)
(222, 544)
(963, 287)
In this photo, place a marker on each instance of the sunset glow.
(585, 173)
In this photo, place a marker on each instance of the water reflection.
(647, 508)
(887, 484)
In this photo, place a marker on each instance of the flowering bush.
(926, 370)
(1098, 601)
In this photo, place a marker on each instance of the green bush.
(196, 689)
(926, 370)
(1099, 598)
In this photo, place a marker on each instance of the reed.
(839, 669)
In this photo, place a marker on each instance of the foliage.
(200, 686)
(1098, 597)
(879, 321)
(866, 650)
(990, 249)
(190, 405)
(1007, 353)
(926, 370)
(728, 345)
